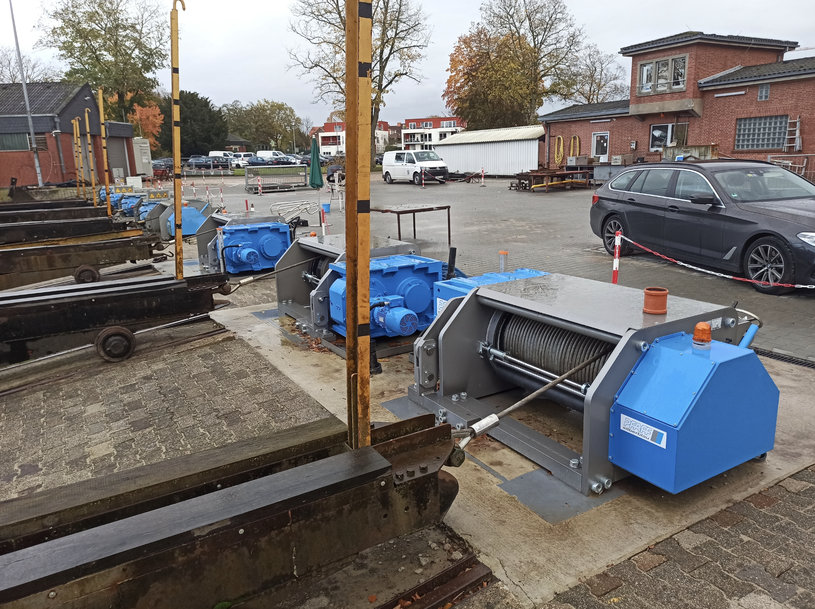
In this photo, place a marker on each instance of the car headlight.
(808, 238)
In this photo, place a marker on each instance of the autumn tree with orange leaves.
(147, 121)
(490, 85)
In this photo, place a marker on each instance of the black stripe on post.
(178, 226)
(363, 206)
(364, 330)
(176, 123)
(366, 10)
(176, 102)
(175, 70)
(364, 68)
(177, 175)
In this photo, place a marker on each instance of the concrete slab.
(534, 558)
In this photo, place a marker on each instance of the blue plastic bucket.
(327, 207)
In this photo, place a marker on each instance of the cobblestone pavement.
(159, 405)
(756, 554)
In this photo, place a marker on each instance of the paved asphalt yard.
(741, 541)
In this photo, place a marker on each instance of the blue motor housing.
(191, 221)
(128, 203)
(116, 199)
(684, 414)
(401, 295)
(254, 247)
(461, 286)
(145, 208)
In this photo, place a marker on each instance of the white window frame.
(427, 125)
(411, 125)
(763, 92)
(653, 88)
(594, 143)
(669, 138)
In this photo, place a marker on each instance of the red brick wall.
(20, 164)
(622, 130)
(703, 60)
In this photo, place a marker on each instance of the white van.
(271, 154)
(227, 153)
(241, 159)
(409, 164)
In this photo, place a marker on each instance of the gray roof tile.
(44, 97)
(778, 70)
(688, 37)
(611, 108)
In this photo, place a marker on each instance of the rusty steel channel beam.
(32, 314)
(45, 215)
(44, 204)
(232, 543)
(24, 265)
(116, 234)
(30, 232)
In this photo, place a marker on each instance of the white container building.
(499, 152)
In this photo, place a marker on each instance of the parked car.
(255, 161)
(199, 161)
(378, 159)
(410, 164)
(165, 164)
(746, 217)
(239, 159)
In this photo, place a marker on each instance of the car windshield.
(426, 155)
(763, 184)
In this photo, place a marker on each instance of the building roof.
(688, 37)
(44, 97)
(777, 70)
(233, 139)
(505, 134)
(578, 111)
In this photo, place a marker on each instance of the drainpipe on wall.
(546, 135)
(58, 137)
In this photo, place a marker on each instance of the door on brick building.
(599, 146)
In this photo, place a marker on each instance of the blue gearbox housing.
(456, 287)
(401, 295)
(685, 414)
(191, 221)
(253, 247)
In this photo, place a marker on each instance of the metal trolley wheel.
(115, 343)
(86, 274)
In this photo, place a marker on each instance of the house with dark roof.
(731, 96)
(54, 105)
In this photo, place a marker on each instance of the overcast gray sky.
(238, 50)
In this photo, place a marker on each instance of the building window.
(761, 132)
(427, 124)
(412, 126)
(442, 135)
(14, 141)
(662, 75)
(337, 127)
(669, 134)
(599, 144)
(448, 124)
(763, 92)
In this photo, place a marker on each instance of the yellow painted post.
(358, 28)
(76, 155)
(90, 155)
(101, 102)
(179, 246)
(78, 137)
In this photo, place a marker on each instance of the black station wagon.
(746, 217)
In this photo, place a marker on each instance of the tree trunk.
(374, 121)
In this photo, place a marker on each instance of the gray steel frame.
(451, 375)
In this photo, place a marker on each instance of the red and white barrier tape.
(714, 273)
(615, 268)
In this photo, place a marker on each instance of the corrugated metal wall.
(497, 158)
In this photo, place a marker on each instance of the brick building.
(425, 133)
(53, 107)
(734, 94)
(332, 137)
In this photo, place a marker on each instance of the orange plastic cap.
(503, 253)
(312, 234)
(701, 333)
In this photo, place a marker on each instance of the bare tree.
(547, 27)
(400, 35)
(596, 77)
(35, 70)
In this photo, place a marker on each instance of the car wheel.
(388, 178)
(417, 179)
(769, 259)
(611, 225)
